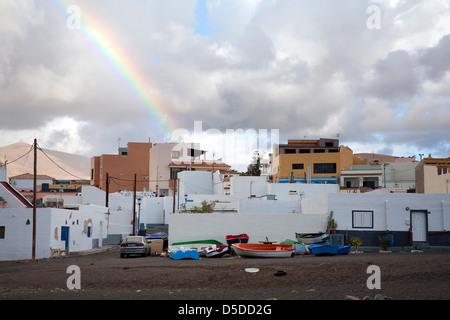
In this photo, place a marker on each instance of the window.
(297, 166)
(290, 151)
(2, 232)
(324, 167)
(362, 219)
(175, 154)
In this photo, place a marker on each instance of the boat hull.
(240, 238)
(183, 253)
(309, 238)
(328, 250)
(216, 251)
(199, 245)
(255, 250)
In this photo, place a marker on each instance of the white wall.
(28, 183)
(2, 172)
(318, 204)
(93, 195)
(17, 244)
(241, 186)
(18, 223)
(78, 222)
(153, 209)
(390, 210)
(304, 190)
(120, 222)
(268, 206)
(195, 182)
(276, 227)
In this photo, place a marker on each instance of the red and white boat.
(216, 251)
(240, 238)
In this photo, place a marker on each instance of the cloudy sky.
(80, 75)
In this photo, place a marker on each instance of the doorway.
(65, 235)
(419, 226)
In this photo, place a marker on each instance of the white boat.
(309, 238)
(216, 251)
(198, 245)
(262, 250)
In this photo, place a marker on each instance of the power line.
(59, 165)
(26, 154)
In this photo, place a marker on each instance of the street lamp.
(139, 201)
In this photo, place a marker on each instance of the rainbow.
(117, 58)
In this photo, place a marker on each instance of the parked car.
(134, 245)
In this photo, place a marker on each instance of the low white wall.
(276, 227)
(304, 190)
(269, 206)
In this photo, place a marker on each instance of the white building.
(26, 181)
(75, 230)
(418, 218)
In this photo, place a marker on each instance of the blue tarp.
(158, 235)
(183, 253)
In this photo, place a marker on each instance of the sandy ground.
(104, 275)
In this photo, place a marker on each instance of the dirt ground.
(104, 275)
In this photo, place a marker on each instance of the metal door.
(65, 235)
(419, 226)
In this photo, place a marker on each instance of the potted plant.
(357, 242)
(332, 224)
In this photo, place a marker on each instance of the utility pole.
(33, 250)
(134, 206)
(174, 181)
(107, 190)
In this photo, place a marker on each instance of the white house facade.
(74, 230)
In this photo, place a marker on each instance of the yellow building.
(315, 161)
(433, 175)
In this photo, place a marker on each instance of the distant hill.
(77, 167)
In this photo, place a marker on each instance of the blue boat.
(328, 249)
(184, 253)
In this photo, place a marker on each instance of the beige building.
(433, 175)
(316, 161)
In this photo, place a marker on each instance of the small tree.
(254, 168)
(384, 242)
(207, 207)
(356, 241)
